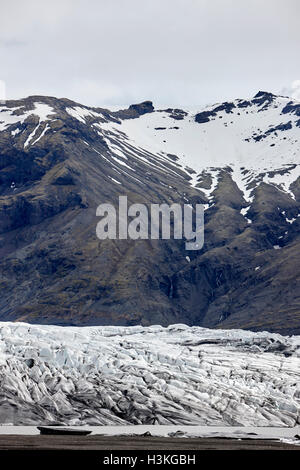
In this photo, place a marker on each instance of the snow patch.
(80, 113)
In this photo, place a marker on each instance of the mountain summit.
(59, 160)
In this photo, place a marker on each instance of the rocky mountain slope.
(147, 375)
(59, 160)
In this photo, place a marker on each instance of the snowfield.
(178, 375)
(258, 140)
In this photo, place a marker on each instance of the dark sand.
(97, 442)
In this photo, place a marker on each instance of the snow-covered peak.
(257, 139)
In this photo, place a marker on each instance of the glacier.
(179, 375)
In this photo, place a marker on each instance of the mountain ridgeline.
(59, 160)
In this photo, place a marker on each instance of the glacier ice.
(147, 375)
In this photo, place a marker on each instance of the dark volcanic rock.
(204, 116)
(291, 107)
(135, 110)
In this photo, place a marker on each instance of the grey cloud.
(175, 52)
(14, 43)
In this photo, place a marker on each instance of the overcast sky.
(173, 52)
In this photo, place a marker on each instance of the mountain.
(59, 160)
(147, 375)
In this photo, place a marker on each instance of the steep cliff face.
(59, 160)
